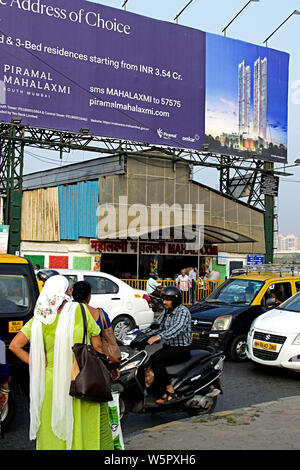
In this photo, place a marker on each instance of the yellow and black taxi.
(222, 319)
(18, 295)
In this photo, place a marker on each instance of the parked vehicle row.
(224, 318)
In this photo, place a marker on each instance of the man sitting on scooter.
(175, 331)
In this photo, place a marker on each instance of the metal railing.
(192, 291)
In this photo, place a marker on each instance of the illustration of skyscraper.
(260, 98)
(244, 98)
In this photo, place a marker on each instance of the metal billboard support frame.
(15, 137)
(255, 198)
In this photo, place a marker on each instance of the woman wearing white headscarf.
(58, 421)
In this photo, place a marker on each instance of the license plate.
(265, 345)
(14, 326)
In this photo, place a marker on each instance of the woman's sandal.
(166, 399)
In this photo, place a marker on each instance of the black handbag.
(90, 374)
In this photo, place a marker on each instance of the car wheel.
(121, 326)
(238, 349)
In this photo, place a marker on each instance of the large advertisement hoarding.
(73, 64)
(69, 65)
(246, 103)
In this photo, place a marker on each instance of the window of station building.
(101, 285)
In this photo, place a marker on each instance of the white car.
(274, 336)
(126, 307)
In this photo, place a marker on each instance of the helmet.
(172, 293)
(153, 275)
(45, 274)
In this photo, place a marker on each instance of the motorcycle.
(196, 380)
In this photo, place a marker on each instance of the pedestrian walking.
(193, 275)
(183, 284)
(203, 285)
(183, 280)
(81, 293)
(58, 421)
(36, 268)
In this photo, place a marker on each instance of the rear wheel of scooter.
(123, 408)
(208, 409)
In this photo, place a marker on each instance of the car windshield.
(292, 304)
(14, 294)
(236, 291)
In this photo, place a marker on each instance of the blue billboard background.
(68, 65)
(118, 74)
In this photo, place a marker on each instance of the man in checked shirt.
(176, 333)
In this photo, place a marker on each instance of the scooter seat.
(196, 356)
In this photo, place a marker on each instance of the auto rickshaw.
(19, 292)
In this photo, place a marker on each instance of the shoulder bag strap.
(84, 339)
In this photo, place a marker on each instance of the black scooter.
(196, 381)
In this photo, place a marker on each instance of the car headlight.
(297, 340)
(222, 323)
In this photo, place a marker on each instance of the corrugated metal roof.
(77, 210)
(83, 171)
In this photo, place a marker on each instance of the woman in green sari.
(58, 421)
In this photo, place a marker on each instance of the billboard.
(68, 65)
(246, 103)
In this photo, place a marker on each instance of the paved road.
(244, 385)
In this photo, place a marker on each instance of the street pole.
(269, 221)
(138, 259)
(11, 177)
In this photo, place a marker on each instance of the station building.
(64, 223)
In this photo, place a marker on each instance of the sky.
(254, 25)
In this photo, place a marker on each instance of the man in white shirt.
(183, 279)
(193, 274)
